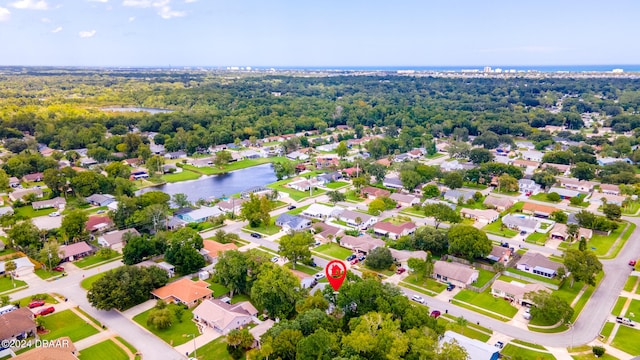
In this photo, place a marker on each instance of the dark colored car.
(435, 313)
(291, 207)
(351, 257)
(256, 235)
(451, 287)
(499, 345)
(400, 270)
(58, 268)
(35, 304)
(361, 258)
(46, 311)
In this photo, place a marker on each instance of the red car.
(35, 304)
(435, 313)
(58, 268)
(632, 262)
(46, 311)
(354, 261)
(400, 270)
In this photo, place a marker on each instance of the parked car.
(291, 207)
(312, 263)
(361, 258)
(351, 257)
(632, 262)
(54, 214)
(58, 268)
(354, 261)
(523, 233)
(625, 321)
(435, 313)
(418, 299)
(319, 276)
(400, 270)
(46, 311)
(101, 211)
(256, 235)
(499, 345)
(35, 304)
(450, 287)
(275, 259)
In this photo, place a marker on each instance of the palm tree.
(10, 266)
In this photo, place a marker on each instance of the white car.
(54, 214)
(275, 259)
(319, 275)
(417, 298)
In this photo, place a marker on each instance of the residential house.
(296, 155)
(98, 223)
(24, 266)
(75, 251)
(327, 162)
(202, 214)
(393, 231)
(583, 186)
(156, 149)
(87, 162)
(384, 162)
(476, 350)
(115, 239)
(328, 177)
(601, 198)
(362, 244)
(402, 256)
(292, 223)
(415, 154)
(559, 231)
(34, 177)
(212, 249)
(327, 147)
(133, 162)
(17, 325)
(201, 162)
(565, 194)
(432, 201)
(455, 196)
(302, 184)
(392, 182)
(184, 291)
(59, 349)
(250, 154)
(609, 189)
(528, 166)
(357, 219)
(319, 211)
(100, 199)
(404, 199)
(521, 223)
(325, 232)
(454, 273)
(515, 291)
(528, 186)
(6, 210)
(58, 203)
(538, 210)
(498, 203)
(168, 268)
(401, 157)
(453, 165)
(14, 182)
(373, 192)
(481, 216)
(610, 160)
(231, 205)
(19, 194)
(538, 264)
(532, 155)
(562, 169)
(499, 254)
(170, 168)
(138, 174)
(224, 317)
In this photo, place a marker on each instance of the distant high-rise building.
(487, 69)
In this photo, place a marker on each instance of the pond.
(219, 185)
(136, 109)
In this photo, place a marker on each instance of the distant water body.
(541, 68)
(136, 109)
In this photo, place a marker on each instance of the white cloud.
(190, 1)
(87, 34)
(132, 18)
(100, 1)
(57, 30)
(163, 8)
(137, 3)
(4, 14)
(45, 20)
(30, 5)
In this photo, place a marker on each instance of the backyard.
(105, 350)
(178, 333)
(184, 175)
(27, 212)
(334, 250)
(215, 350)
(66, 323)
(600, 244)
(497, 228)
(487, 301)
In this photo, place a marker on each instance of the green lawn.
(27, 212)
(514, 351)
(106, 350)
(617, 308)
(294, 194)
(413, 212)
(86, 283)
(600, 244)
(298, 210)
(428, 283)
(240, 297)
(334, 250)
(184, 175)
(178, 333)
(66, 323)
(336, 185)
(125, 343)
(303, 268)
(533, 276)
(607, 328)
(631, 281)
(484, 277)
(537, 238)
(47, 299)
(95, 259)
(212, 170)
(265, 230)
(633, 312)
(528, 344)
(44, 274)
(591, 356)
(626, 339)
(631, 209)
(487, 301)
(542, 197)
(496, 228)
(214, 350)
(473, 333)
(217, 288)
(352, 196)
(6, 284)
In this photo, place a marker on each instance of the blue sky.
(318, 33)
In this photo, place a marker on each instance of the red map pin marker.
(336, 272)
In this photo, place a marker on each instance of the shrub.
(598, 351)
(553, 196)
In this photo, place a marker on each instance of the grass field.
(29, 212)
(66, 323)
(617, 308)
(334, 250)
(215, 350)
(266, 230)
(86, 283)
(542, 197)
(303, 268)
(106, 350)
(607, 328)
(533, 276)
(6, 284)
(631, 281)
(218, 289)
(514, 351)
(484, 277)
(496, 228)
(45, 274)
(626, 339)
(125, 343)
(591, 356)
(537, 238)
(175, 335)
(209, 170)
(298, 210)
(184, 175)
(336, 185)
(95, 259)
(413, 212)
(633, 312)
(487, 301)
(48, 299)
(600, 244)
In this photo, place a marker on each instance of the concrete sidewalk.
(206, 337)
(130, 313)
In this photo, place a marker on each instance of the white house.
(528, 186)
(357, 219)
(521, 223)
(454, 273)
(224, 317)
(538, 264)
(481, 216)
(115, 239)
(319, 211)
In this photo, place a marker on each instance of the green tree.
(161, 319)
(507, 183)
(154, 164)
(469, 242)
(612, 211)
(10, 268)
(181, 200)
(284, 169)
(240, 338)
(182, 251)
(139, 248)
(553, 196)
(431, 191)
(336, 196)
(320, 345)
(256, 210)
(126, 286)
(583, 171)
(295, 247)
(440, 213)
(559, 216)
(410, 179)
(422, 268)
(49, 255)
(117, 169)
(480, 155)
(222, 158)
(583, 265)
(55, 180)
(231, 271)
(453, 180)
(376, 206)
(276, 290)
(379, 258)
(25, 235)
(342, 149)
(550, 308)
(73, 226)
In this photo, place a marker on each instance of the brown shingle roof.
(16, 322)
(58, 349)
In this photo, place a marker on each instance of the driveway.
(47, 222)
